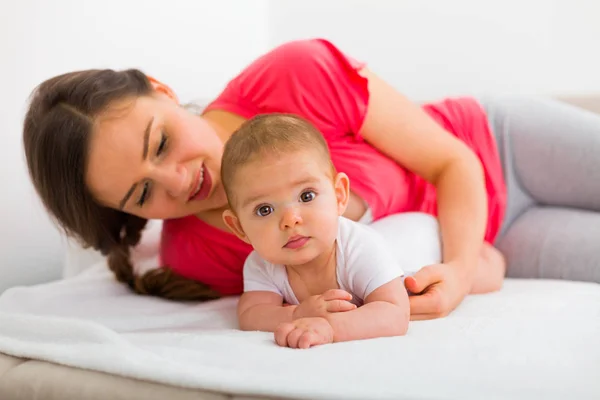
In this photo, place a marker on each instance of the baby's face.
(288, 207)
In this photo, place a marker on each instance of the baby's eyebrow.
(305, 181)
(252, 199)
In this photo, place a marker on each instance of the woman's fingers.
(428, 305)
(424, 278)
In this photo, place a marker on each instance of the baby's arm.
(261, 306)
(375, 275)
(386, 312)
(263, 311)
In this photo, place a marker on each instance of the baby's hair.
(269, 135)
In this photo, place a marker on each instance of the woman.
(107, 150)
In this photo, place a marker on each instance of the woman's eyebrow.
(147, 138)
(144, 156)
(127, 196)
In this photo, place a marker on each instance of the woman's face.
(150, 157)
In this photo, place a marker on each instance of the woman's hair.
(270, 135)
(56, 137)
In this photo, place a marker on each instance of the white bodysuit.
(363, 263)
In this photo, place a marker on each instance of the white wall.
(432, 48)
(193, 45)
(426, 48)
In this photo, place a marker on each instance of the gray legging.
(550, 154)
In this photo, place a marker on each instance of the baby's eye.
(307, 196)
(263, 211)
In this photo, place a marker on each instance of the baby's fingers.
(293, 337)
(336, 294)
(306, 340)
(339, 306)
(282, 332)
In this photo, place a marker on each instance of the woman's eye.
(145, 194)
(307, 196)
(162, 145)
(263, 211)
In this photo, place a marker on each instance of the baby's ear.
(342, 191)
(233, 223)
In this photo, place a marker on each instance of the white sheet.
(534, 339)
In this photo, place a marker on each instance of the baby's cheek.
(264, 241)
(327, 222)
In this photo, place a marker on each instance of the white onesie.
(364, 263)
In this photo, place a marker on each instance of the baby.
(286, 200)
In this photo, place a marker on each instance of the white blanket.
(532, 340)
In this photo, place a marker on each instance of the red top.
(313, 79)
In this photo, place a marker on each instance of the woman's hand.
(304, 333)
(437, 290)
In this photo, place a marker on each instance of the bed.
(87, 337)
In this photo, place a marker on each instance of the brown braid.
(163, 281)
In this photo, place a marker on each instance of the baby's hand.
(304, 333)
(333, 300)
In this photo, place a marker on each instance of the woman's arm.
(403, 131)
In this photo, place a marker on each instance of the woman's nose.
(291, 217)
(173, 178)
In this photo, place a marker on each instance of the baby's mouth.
(296, 241)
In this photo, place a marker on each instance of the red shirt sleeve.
(310, 78)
